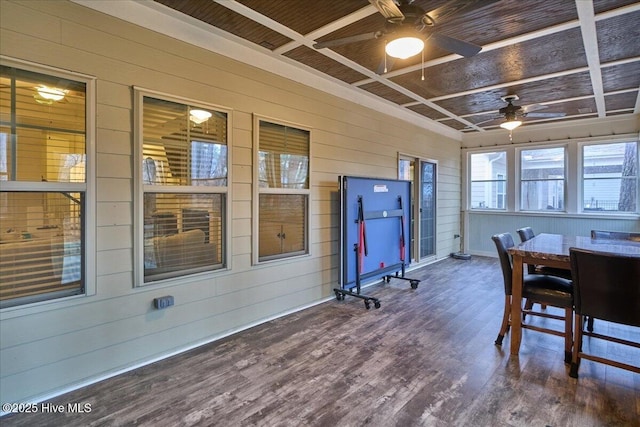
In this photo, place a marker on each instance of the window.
(610, 177)
(488, 180)
(283, 191)
(406, 169)
(542, 179)
(183, 170)
(44, 207)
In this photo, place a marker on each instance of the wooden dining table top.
(555, 247)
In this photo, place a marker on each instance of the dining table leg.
(516, 304)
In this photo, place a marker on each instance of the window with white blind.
(43, 183)
(182, 165)
(283, 190)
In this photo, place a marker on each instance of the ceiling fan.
(514, 113)
(408, 26)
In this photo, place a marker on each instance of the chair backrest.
(503, 242)
(615, 235)
(525, 233)
(606, 286)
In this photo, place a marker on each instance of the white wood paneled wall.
(57, 346)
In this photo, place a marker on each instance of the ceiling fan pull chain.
(422, 65)
(385, 56)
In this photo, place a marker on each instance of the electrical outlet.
(163, 302)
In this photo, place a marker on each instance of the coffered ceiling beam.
(590, 40)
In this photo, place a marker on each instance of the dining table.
(552, 250)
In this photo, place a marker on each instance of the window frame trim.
(89, 187)
(139, 188)
(255, 238)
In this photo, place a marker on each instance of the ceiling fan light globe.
(51, 93)
(404, 47)
(199, 116)
(510, 124)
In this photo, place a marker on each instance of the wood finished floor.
(425, 358)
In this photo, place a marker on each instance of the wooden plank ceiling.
(578, 59)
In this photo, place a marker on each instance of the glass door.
(427, 209)
(423, 184)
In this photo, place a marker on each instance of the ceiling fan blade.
(533, 107)
(453, 7)
(482, 122)
(388, 9)
(544, 115)
(487, 121)
(460, 47)
(347, 40)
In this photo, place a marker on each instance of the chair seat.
(551, 290)
(552, 271)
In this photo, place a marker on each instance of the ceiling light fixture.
(510, 124)
(199, 116)
(51, 93)
(511, 121)
(404, 47)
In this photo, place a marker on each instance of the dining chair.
(526, 233)
(607, 287)
(610, 235)
(615, 235)
(544, 289)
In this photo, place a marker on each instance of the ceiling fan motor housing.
(412, 13)
(411, 24)
(510, 111)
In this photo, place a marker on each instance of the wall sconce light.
(199, 116)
